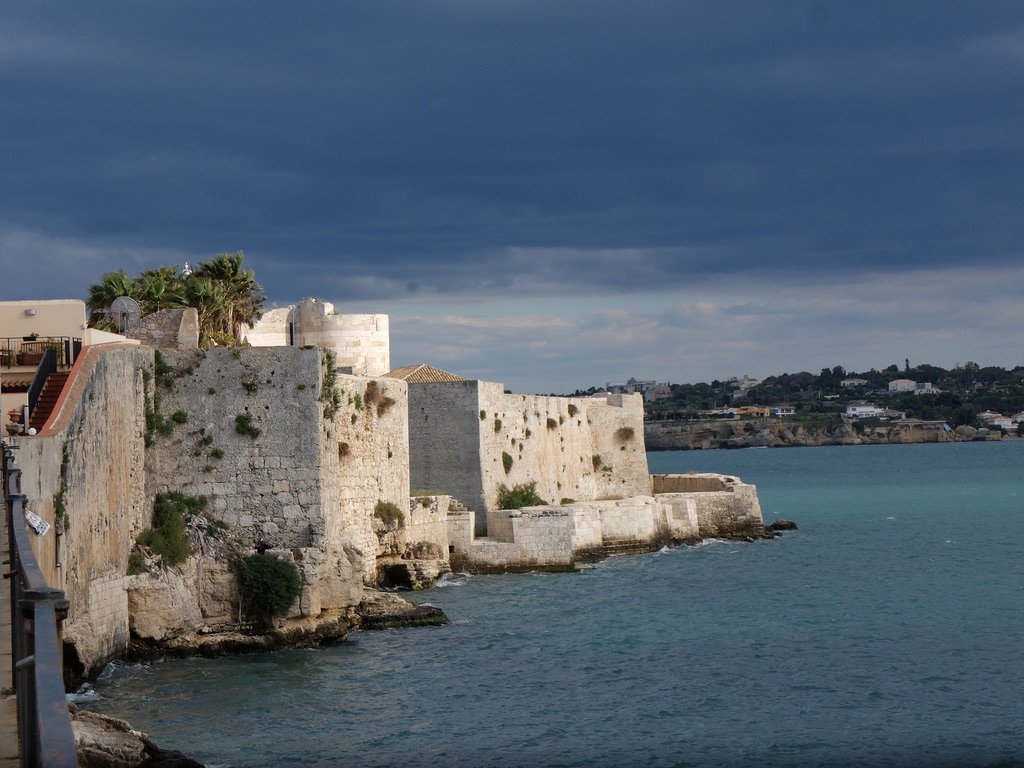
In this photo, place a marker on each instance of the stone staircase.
(48, 399)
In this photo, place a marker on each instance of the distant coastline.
(714, 434)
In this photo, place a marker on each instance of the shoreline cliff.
(779, 433)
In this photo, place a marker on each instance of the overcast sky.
(545, 193)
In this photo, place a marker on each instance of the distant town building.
(742, 386)
(651, 390)
(917, 387)
(863, 410)
(993, 419)
(853, 382)
(762, 411)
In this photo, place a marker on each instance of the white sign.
(39, 525)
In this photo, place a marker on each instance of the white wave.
(84, 694)
(452, 580)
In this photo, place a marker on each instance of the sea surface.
(887, 631)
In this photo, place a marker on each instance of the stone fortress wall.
(324, 449)
(306, 485)
(468, 437)
(361, 343)
(90, 460)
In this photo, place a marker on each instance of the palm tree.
(244, 295)
(159, 288)
(210, 301)
(102, 295)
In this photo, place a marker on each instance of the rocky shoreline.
(780, 433)
(107, 742)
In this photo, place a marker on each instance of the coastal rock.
(386, 610)
(783, 525)
(304, 632)
(106, 742)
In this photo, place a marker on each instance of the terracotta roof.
(16, 381)
(422, 374)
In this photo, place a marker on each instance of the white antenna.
(125, 312)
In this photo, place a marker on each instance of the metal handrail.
(66, 348)
(47, 366)
(37, 614)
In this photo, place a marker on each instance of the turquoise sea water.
(887, 631)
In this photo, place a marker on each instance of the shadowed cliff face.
(777, 433)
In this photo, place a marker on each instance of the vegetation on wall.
(330, 396)
(375, 397)
(155, 422)
(389, 513)
(519, 496)
(244, 426)
(269, 586)
(506, 461)
(167, 537)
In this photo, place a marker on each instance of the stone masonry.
(360, 342)
(469, 437)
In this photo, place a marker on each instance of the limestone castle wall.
(463, 434)
(557, 536)
(444, 440)
(92, 456)
(308, 481)
(361, 342)
(266, 486)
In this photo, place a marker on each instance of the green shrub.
(216, 453)
(519, 496)
(596, 460)
(497, 424)
(244, 426)
(389, 512)
(506, 461)
(330, 396)
(568, 500)
(573, 410)
(624, 433)
(135, 565)
(179, 417)
(250, 385)
(552, 424)
(483, 415)
(167, 537)
(269, 586)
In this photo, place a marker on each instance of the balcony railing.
(28, 350)
(37, 613)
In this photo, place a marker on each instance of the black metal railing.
(28, 350)
(37, 614)
(46, 366)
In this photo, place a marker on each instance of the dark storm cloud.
(518, 147)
